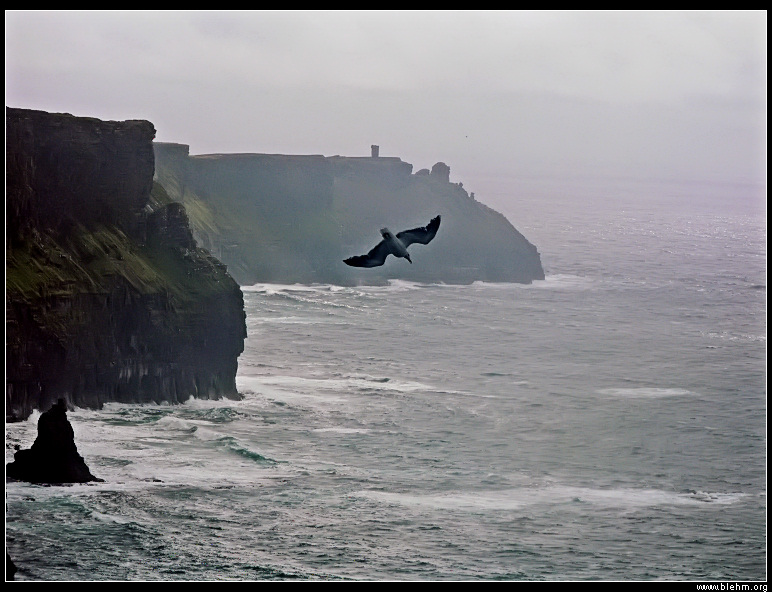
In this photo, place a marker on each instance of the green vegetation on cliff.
(288, 219)
(108, 296)
(98, 259)
(87, 261)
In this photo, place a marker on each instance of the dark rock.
(53, 458)
(108, 297)
(441, 172)
(10, 568)
(170, 224)
(63, 170)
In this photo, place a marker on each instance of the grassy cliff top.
(92, 259)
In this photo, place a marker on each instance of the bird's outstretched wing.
(374, 258)
(420, 235)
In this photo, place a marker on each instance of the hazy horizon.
(493, 94)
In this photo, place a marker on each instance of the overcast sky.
(492, 94)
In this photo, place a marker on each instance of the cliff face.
(277, 218)
(108, 297)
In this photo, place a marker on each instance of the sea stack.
(53, 458)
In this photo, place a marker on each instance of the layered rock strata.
(108, 296)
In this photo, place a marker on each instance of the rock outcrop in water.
(288, 219)
(53, 459)
(108, 297)
(10, 568)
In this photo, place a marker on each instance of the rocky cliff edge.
(108, 296)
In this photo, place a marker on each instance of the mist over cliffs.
(293, 219)
(108, 297)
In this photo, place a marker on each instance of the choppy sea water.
(607, 423)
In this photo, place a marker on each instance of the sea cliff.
(108, 296)
(293, 219)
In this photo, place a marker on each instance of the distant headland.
(292, 219)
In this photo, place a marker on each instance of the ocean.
(605, 424)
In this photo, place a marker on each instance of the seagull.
(395, 245)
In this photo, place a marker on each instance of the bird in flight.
(395, 245)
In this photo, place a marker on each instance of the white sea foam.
(339, 430)
(110, 518)
(397, 285)
(559, 281)
(278, 288)
(292, 320)
(529, 497)
(563, 281)
(727, 336)
(645, 392)
(336, 386)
